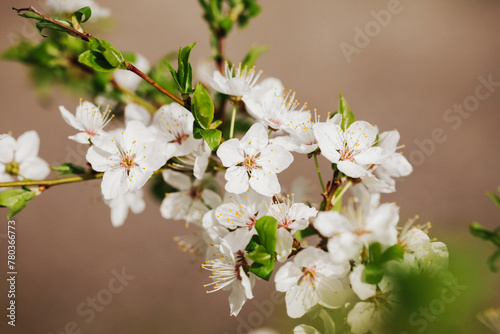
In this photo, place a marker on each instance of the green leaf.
(49, 25)
(69, 168)
(479, 231)
(31, 15)
(374, 252)
(212, 137)
(83, 14)
(202, 106)
(253, 244)
(373, 273)
(252, 55)
(344, 110)
(395, 252)
(95, 61)
(102, 56)
(263, 271)
(185, 72)
(215, 124)
(267, 228)
(299, 235)
(259, 255)
(494, 198)
(10, 197)
(492, 261)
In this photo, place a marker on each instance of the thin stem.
(54, 182)
(219, 57)
(319, 173)
(233, 118)
(153, 83)
(342, 192)
(81, 34)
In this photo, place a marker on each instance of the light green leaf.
(267, 228)
(83, 14)
(344, 110)
(263, 271)
(10, 197)
(259, 255)
(202, 106)
(69, 168)
(373, 273)
(494, 198)
(395, 252)
(212, 137)
(252, 55)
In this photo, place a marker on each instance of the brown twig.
(83, 35)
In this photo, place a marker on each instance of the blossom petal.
(34, 168)
(237, 180)
(330, 140)
(7, 148)
(371, 155)
(119, 211)
(176, 179)
(287, 276)
(275, 159)
(331, 292)
(361, 135)
(211, 198)
(351, 169)
(265, 183)
(230, 152)
(330, 223)
(360, 318)
(27, 146)
(255, 139)
(70, 119)
(134, 112)
(362, 289)
(284, 242)
(237, 298)
(113, 183)
(99, 159)
(81, 137)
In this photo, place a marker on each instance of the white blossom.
(70, 6)
(127, 159)
(121, 205)
(312, 278)
(88, 119)
(253, 162)
(19, 158)
(234, 82)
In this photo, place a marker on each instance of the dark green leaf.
(69, 168)
(262, 271)
(202, 106)
(299, 235)
(49, 25)
(95, 61)
(184, 71)
(267, 228)
(374, 252)
(479, 231)
(253, 244)
(259, 255)
(492, 261)
(212, 137)
(83, 14)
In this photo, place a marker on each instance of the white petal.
(230, 152)
(360, 317)
(330, 140)
(284, 242)
(305, 329)
(255, 139)
(237, 298)
(362, 289)
(134, 112)
(331, 292)
(27, 146)
(119, 211)
(175, 206)
(81, 137)
(7, 148)
(287, 276)
(34, 168)
(99, 159)
(70, 119)
(177, 180)
(113, 183)
(389, 140)
(299, 299)
(211, 198)
(275, 159)
(371, 155)
(265, 183)
(351, 169)
(329, 223)
(237, 180)
(361, 135)
(137, 178)
(135, 201)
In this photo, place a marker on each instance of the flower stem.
(319, 173)
(233, 118)
(342, 192)
(54, 182)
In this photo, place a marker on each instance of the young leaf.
(202, 106)
(267, 228)
(10, 197)
(347, 115)
(69, 168)
(212, 137)
(259, 255)
(395, 252)
(374, 273)
(494, 198)
(252, 55)
(492, 260)
(83, 14)
(263, 271)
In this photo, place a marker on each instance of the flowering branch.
(53, 182)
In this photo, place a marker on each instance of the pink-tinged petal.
(361, 135)
(176, 179)
(237, 180)
(70, 119)
(255, 139)
(99, 159)
(372, 155)
(389, 140)
(230, 152)
(287, 276)
(7, 148)
(265, 183)
(134, 112)
(351, 169)
(113, 183)
(331, 292)
(34, 168)
(331, 223)
(330, 140)
(275, 159)
(82, 138)
(27, 146)
(211, 198)
(284, 242)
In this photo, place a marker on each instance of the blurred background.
(406, 74)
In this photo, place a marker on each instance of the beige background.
(426, 60)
